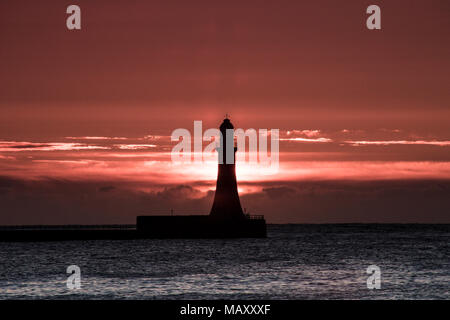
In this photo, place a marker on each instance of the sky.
(86, 115)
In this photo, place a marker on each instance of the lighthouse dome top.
(226, 124)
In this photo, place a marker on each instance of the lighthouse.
(226, 218)
(226, 203)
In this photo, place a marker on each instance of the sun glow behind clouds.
(308, 155)
(160, 170)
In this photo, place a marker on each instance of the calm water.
(295, 262)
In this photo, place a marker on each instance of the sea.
(340, 261)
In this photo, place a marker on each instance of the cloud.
(308, 133)
(135, 146)
(387, 201)
(399, 142)
(106, 188)
(7, 157)
(391, 130)
(180, 192)
(278, 192)
(15, 146)
(155, 137)
(57, 201)
(304, 136)
(306, 139)
(95, 138)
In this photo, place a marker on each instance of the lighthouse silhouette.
(226, 218)
(226, 203)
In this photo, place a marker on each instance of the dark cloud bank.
(61, 201)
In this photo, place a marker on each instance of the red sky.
(85, 115)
